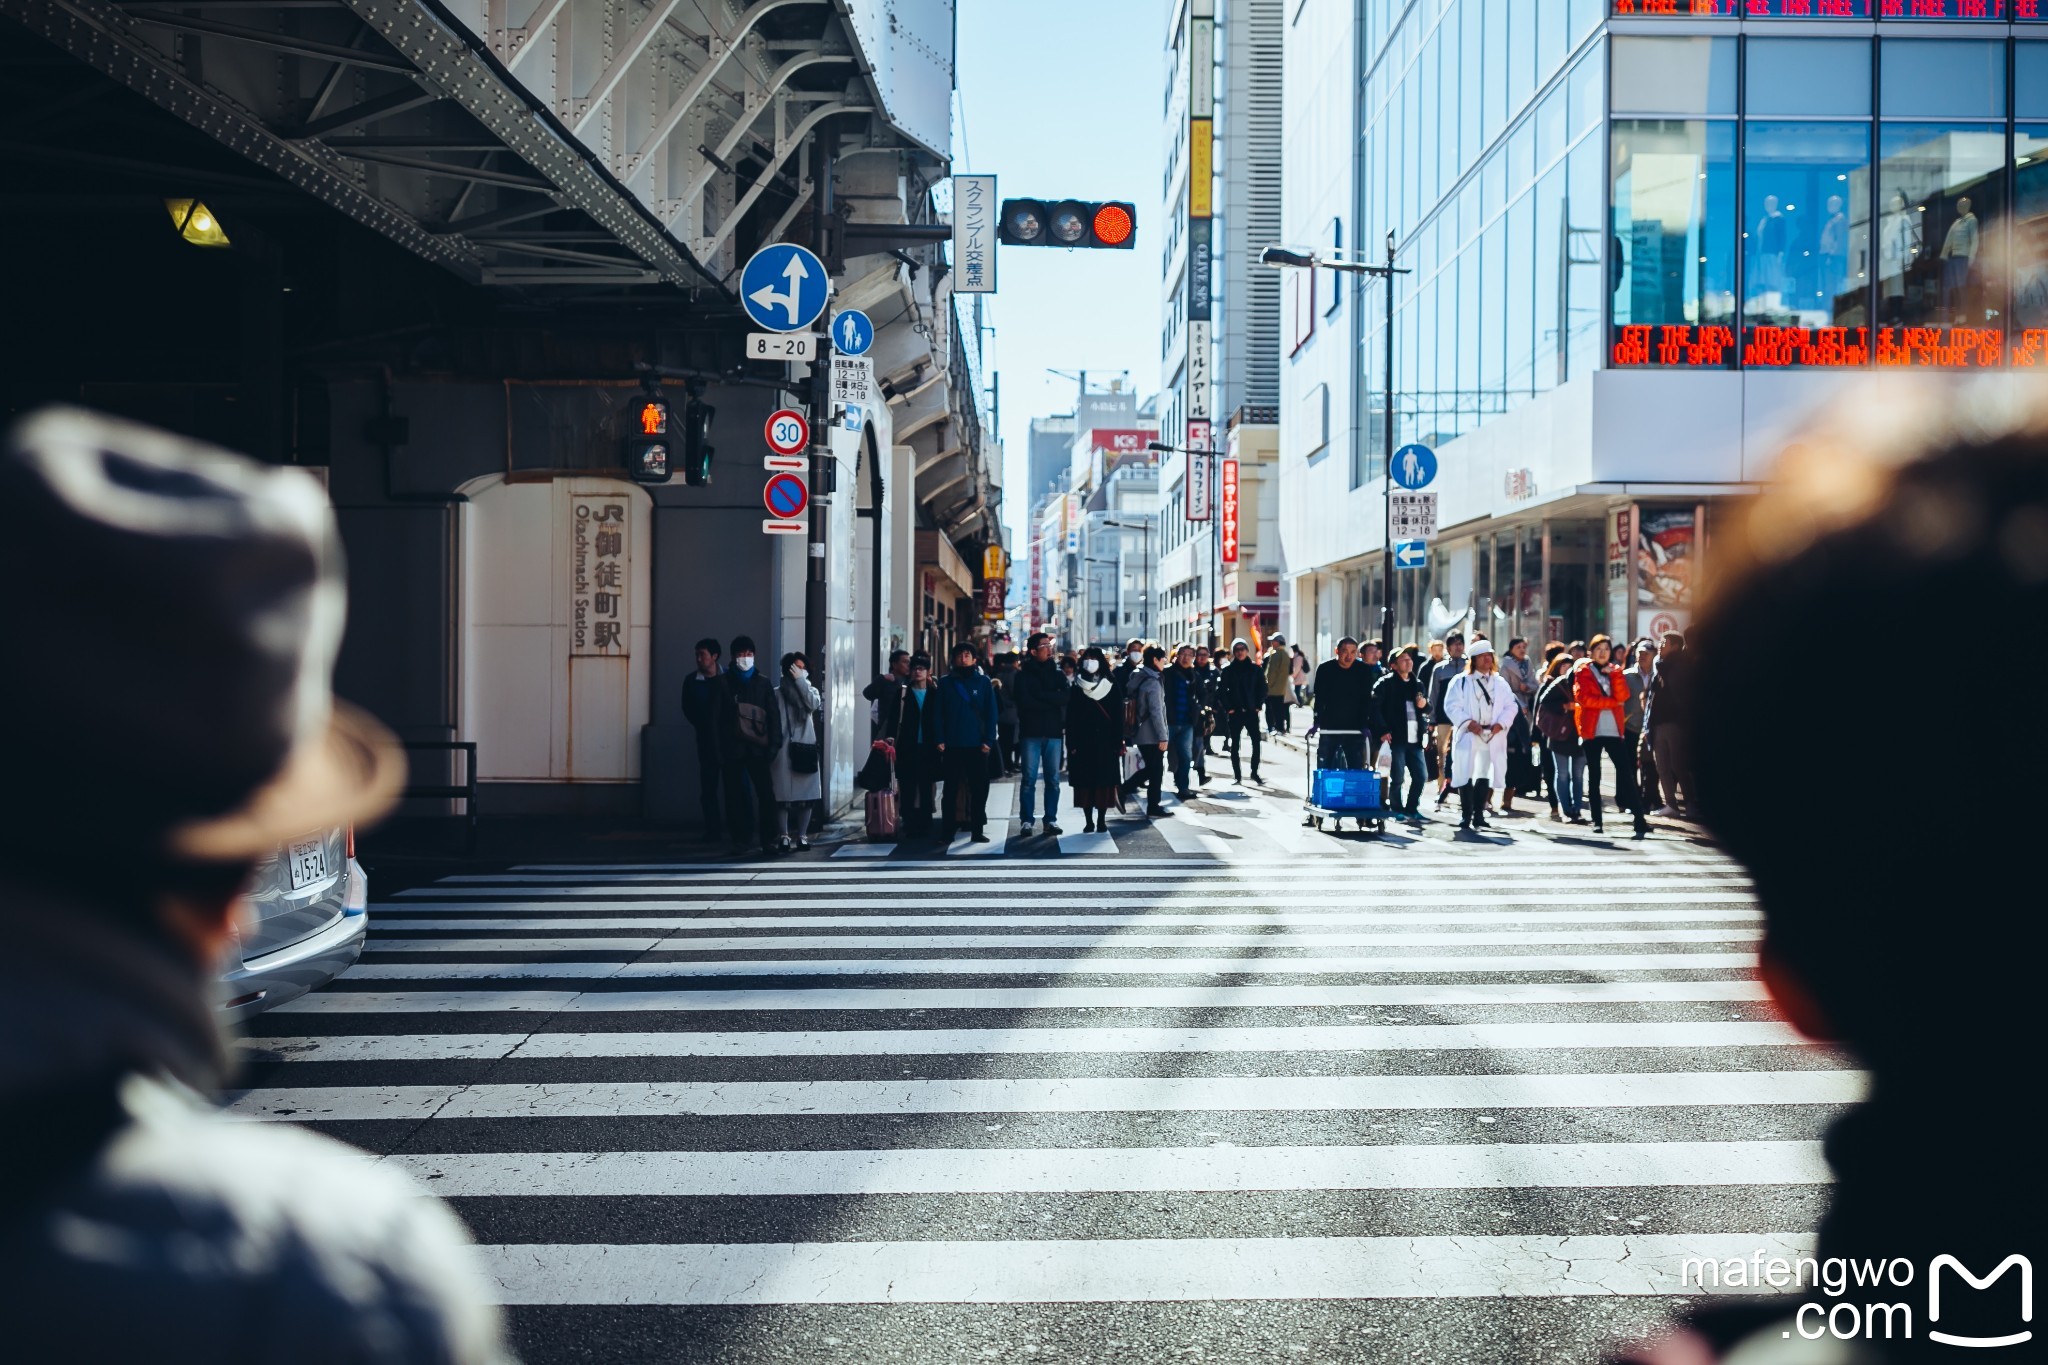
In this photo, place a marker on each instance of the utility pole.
(817, 600)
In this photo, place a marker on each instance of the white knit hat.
(1478, 647)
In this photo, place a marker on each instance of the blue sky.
(1058, 99)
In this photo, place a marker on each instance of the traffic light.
(697, 447)
(647, 449)
(1068, 223)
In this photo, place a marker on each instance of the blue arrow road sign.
(1411, 554)
(784, 287)
(1414, 466)
(852, 333)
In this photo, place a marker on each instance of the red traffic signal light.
(1073, 223)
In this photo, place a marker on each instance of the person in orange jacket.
(1600, 696)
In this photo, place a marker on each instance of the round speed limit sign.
(788, 432)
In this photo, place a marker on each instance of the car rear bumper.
(263, 983)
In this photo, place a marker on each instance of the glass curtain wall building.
(1644, 238)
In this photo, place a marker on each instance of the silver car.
(307, 914)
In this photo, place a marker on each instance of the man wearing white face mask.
(749, 734)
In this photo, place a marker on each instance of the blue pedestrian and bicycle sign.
(786, 496)
(1411, 554)
(1414, 466)
(784, 287)
(852, 332)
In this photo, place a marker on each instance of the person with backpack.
(1397, 709)
(1095, 740)
(966, 736)
(1600, 694)
(913, 727)
(794, 770)
(1240, 692)
(1557, 720)
(749, 734)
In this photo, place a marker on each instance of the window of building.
(1807, 77)
(1518, 279)
(1549, 278)
(1467, 54)
(1806, 244)
(1585, 246)
(1673, 76)
(1674, 239)
(1942, 78)
(1496, 281)
(2030, 245)
(2030, 80)
(1494, 101)
(1940, 233)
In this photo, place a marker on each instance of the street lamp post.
(1215, 590)
(1282, 258)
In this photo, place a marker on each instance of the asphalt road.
(1222, 1088)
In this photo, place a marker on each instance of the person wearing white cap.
(1480, 707)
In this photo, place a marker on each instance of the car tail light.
(349, 841)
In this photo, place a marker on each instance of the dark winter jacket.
(1556, 716)
(1392, 695)
(1004, 683)
(1438, 680)
(1669, 668)
(1344, 695)
(1241, 690)
(1041, 692)
(1183, 695)
(735, 699)
(1095, 736)
(700, 705)
(914, 729)
(967, 710)
(139, 1224)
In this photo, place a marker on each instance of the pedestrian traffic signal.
(697, 447)
(648, 452)
(1068, 223)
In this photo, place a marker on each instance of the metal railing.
(463, 791)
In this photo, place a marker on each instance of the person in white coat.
(1480, 707)
(794, 770)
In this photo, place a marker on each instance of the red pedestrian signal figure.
(654, 419)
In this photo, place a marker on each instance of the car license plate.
(307, 859)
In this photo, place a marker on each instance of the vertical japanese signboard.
(974, 234)
(597, 575)
(1201, 204)
(1201, 497)
(1230, 511)
(1200, 369)
(1036, 603)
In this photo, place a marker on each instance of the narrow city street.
(1220, 1087)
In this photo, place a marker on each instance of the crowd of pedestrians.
(1474, 723)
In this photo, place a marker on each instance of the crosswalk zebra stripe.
(890, 942)
(1048, 873)
(1117, 1270)
(1063, 1095)
(1021, 997)
(535, 918)
(1362, 896)
(1521, 1036)
(1041, 1170)
(1049, 966)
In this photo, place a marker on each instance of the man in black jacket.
(700, 708)
(1344, 702)
(1240, 697)
(749, 733)
(1041, 694)
(886, 692)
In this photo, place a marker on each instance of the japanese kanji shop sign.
(597, 575)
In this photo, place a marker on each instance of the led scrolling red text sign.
(1839, 348)
(1230, 511)
(1828, 9)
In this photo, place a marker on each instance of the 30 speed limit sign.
(788, 432)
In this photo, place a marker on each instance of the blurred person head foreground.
(171, 724)
(1912, 945)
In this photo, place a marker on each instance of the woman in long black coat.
(914, 728)
(1095, 740)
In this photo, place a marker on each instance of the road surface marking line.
(769, 943)
(1055, 1095)
(1118, 1270)
(393, 1047)
(1023, 997)
(472, 917)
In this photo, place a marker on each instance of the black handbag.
(803, 758)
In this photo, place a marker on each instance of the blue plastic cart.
(1335, 794)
